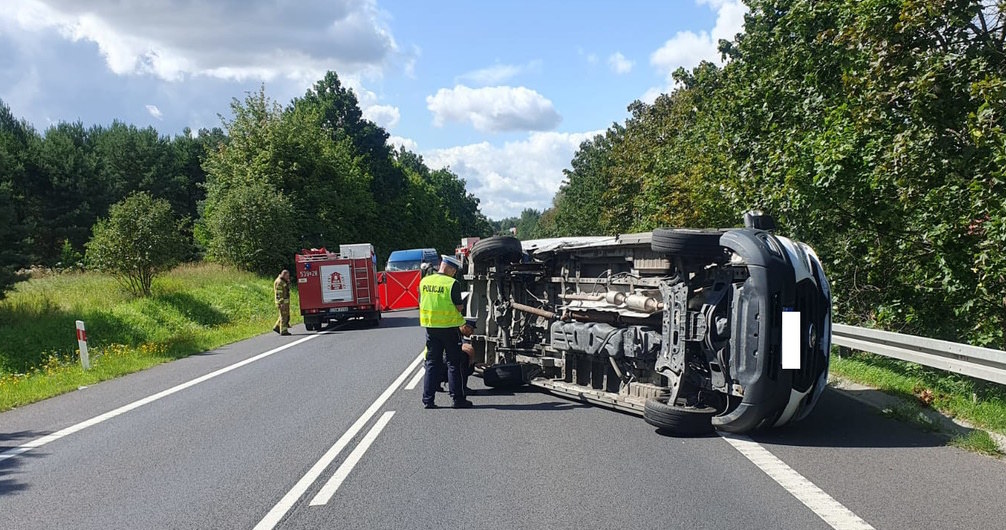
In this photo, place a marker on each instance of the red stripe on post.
(81, 335)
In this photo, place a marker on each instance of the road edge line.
(823, 505)
(62, 433)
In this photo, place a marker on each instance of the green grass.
(910, 412)
(980, 403)
(193, 308)
(977, 441)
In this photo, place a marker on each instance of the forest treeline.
(272, 180)
(870, 129)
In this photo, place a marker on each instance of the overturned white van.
(692, 329)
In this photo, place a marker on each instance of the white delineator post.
(85, 360)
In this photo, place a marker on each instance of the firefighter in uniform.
(440, 313)
(281, 288)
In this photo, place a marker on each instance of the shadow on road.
(841, 420)
(11, 466)
(10, 440)
(399, 321)
(550, 405)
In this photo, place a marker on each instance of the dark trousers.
(444, 344)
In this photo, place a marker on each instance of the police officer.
(440, 313)
(281, 288)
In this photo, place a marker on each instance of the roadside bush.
(140, 239)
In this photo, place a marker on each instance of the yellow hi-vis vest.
(436, 310)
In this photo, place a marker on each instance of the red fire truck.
(465, 248)
(338, 286)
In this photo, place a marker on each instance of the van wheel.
(678, 419)
(687, 242)
(504, 247)
(509, 375)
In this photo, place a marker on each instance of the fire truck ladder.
(362, 285)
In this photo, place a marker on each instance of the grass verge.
(980, 403)
(193, 308)
(977, 441)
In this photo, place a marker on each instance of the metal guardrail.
(973, 361)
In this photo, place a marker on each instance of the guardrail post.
(85, 360)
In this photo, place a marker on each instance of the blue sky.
(502, 92)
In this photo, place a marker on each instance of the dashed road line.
(347, 466)
(415, 380)
(284, 505)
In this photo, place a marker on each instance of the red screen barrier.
(399, 290)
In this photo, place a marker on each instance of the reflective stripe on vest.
(436, 310)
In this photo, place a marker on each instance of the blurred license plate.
(339, 309)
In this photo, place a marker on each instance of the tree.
(282, 157)
(140, 238)
(15, 137)
(872, 130)
(251, 227)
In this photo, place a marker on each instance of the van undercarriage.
(682, 326)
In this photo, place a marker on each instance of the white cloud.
(384, 115)
(619, 64)
(493, 109)
(651, 95)
(258, 39)
(400, 141)
(154, 111)
(518, 175)
(498, 73)
(687, 49)
(590, 57)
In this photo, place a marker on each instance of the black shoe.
(463, 404)
(469, 392)
(441, 388)
(285, 333)
(276, 329)
(430, 406)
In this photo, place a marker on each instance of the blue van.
(412, 259)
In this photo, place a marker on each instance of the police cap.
(451, 260)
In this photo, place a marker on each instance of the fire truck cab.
(339, 286)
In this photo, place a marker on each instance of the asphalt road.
(242, 448)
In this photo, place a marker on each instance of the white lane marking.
(347, 466)
(822, 504)
(39, 442)
(279, 511)
(415, 380)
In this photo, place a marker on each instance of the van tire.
(678, 420)
(510, 375)
(687, 242)
(506, 248)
